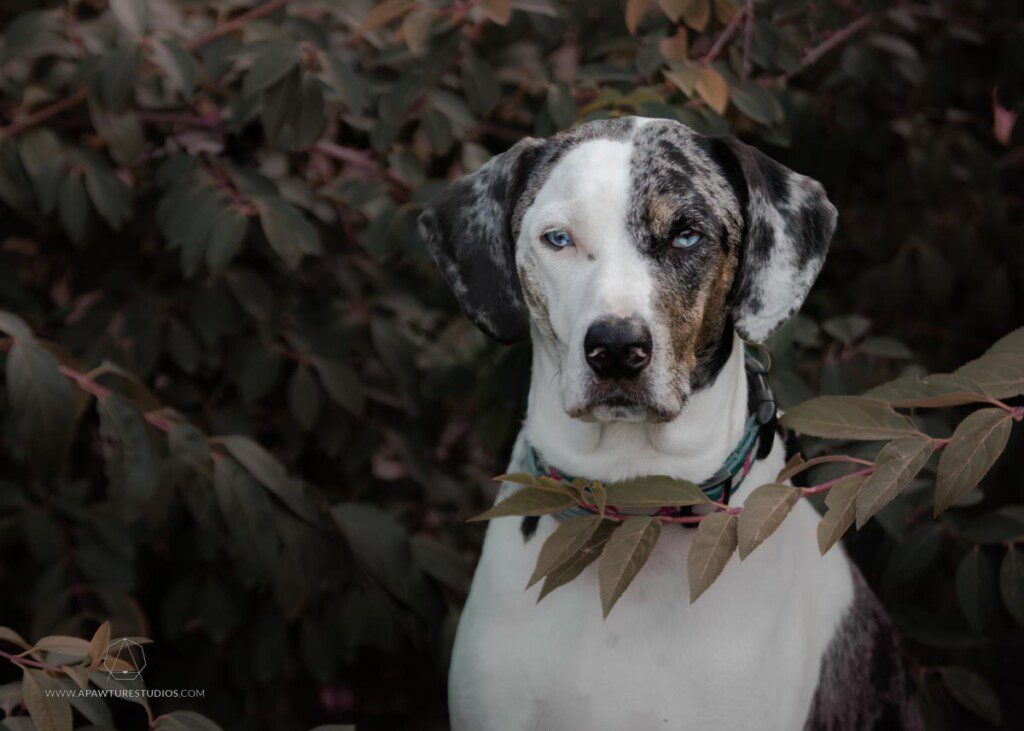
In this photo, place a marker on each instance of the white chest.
(746, 655)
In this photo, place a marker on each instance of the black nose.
(617, 347)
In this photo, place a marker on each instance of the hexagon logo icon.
(125, 659)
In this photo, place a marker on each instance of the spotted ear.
(789, 223)
(468, 228)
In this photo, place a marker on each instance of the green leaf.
(112, 198)
(49, 712)
(518, 478)
(14, 326)
(763, 512)
(560, 106)
(288, 232)
(754, 100)
(347, 82)
(897, 464)
(133, 15)
(528, 501)
(999, 526)
(654, 491)
(712, 547)
(847, 417)
(480, 85)
(381, 545)
(497, 11)
(41, 400)
(576, 564)
(1010, 344)
(182, 346)
(271, 474)
(442, 563)
(915, 553)
(931, 392)
(883, 347)
(42, 156)
(1011, 583)
(184, 721)
(684, 76)
(625, 554)
(131, 458)
(177, 64)
(272, 63)
(564, 543)
(976, 588)
(248, 515)
(73, 207)
(122, 133)
(341, 384)
(553, 485)
(73, 647)
(598, 494)
(841, 503)
(304, 397)
(1000, 375)
(972, 450)
(226, 237)
(10, 698)
(973, 693)
(846, 329)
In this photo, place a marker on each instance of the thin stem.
(237, 23)
(839, 37)
(44, 114)
(727, 35)
(831, 483)
(21, 661)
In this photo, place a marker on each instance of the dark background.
(208, 212)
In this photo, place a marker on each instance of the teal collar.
(755, 443)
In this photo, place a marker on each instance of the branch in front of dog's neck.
(612, 523)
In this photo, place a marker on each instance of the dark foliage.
(209, 226)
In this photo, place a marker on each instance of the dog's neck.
(692, 446)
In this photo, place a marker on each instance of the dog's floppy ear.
(468, 229)
(789, 223)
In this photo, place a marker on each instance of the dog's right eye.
(559, 239)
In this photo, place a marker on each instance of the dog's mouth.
(620, 401)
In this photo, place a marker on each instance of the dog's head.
(631, 248)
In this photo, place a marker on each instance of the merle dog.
(639, 255)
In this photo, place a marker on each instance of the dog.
(639, 255)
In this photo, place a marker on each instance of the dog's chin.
(617, 405)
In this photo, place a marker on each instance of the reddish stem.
(727, 35)
(840, 36)
(236, 23)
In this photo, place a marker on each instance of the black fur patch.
(863, 682)
(528, 527)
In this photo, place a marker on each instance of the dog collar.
(755, 443)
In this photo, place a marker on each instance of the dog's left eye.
(559, 239)
(687, 238)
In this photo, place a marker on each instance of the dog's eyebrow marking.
(529, 527)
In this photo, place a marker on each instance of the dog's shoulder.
(864, 683)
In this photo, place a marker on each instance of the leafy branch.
(81, 95)
(623, 540)
(43, 404)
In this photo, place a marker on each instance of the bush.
(209, 245)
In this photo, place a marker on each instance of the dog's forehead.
(668, 166)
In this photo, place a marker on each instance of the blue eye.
(559, 238)
(687, 238)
